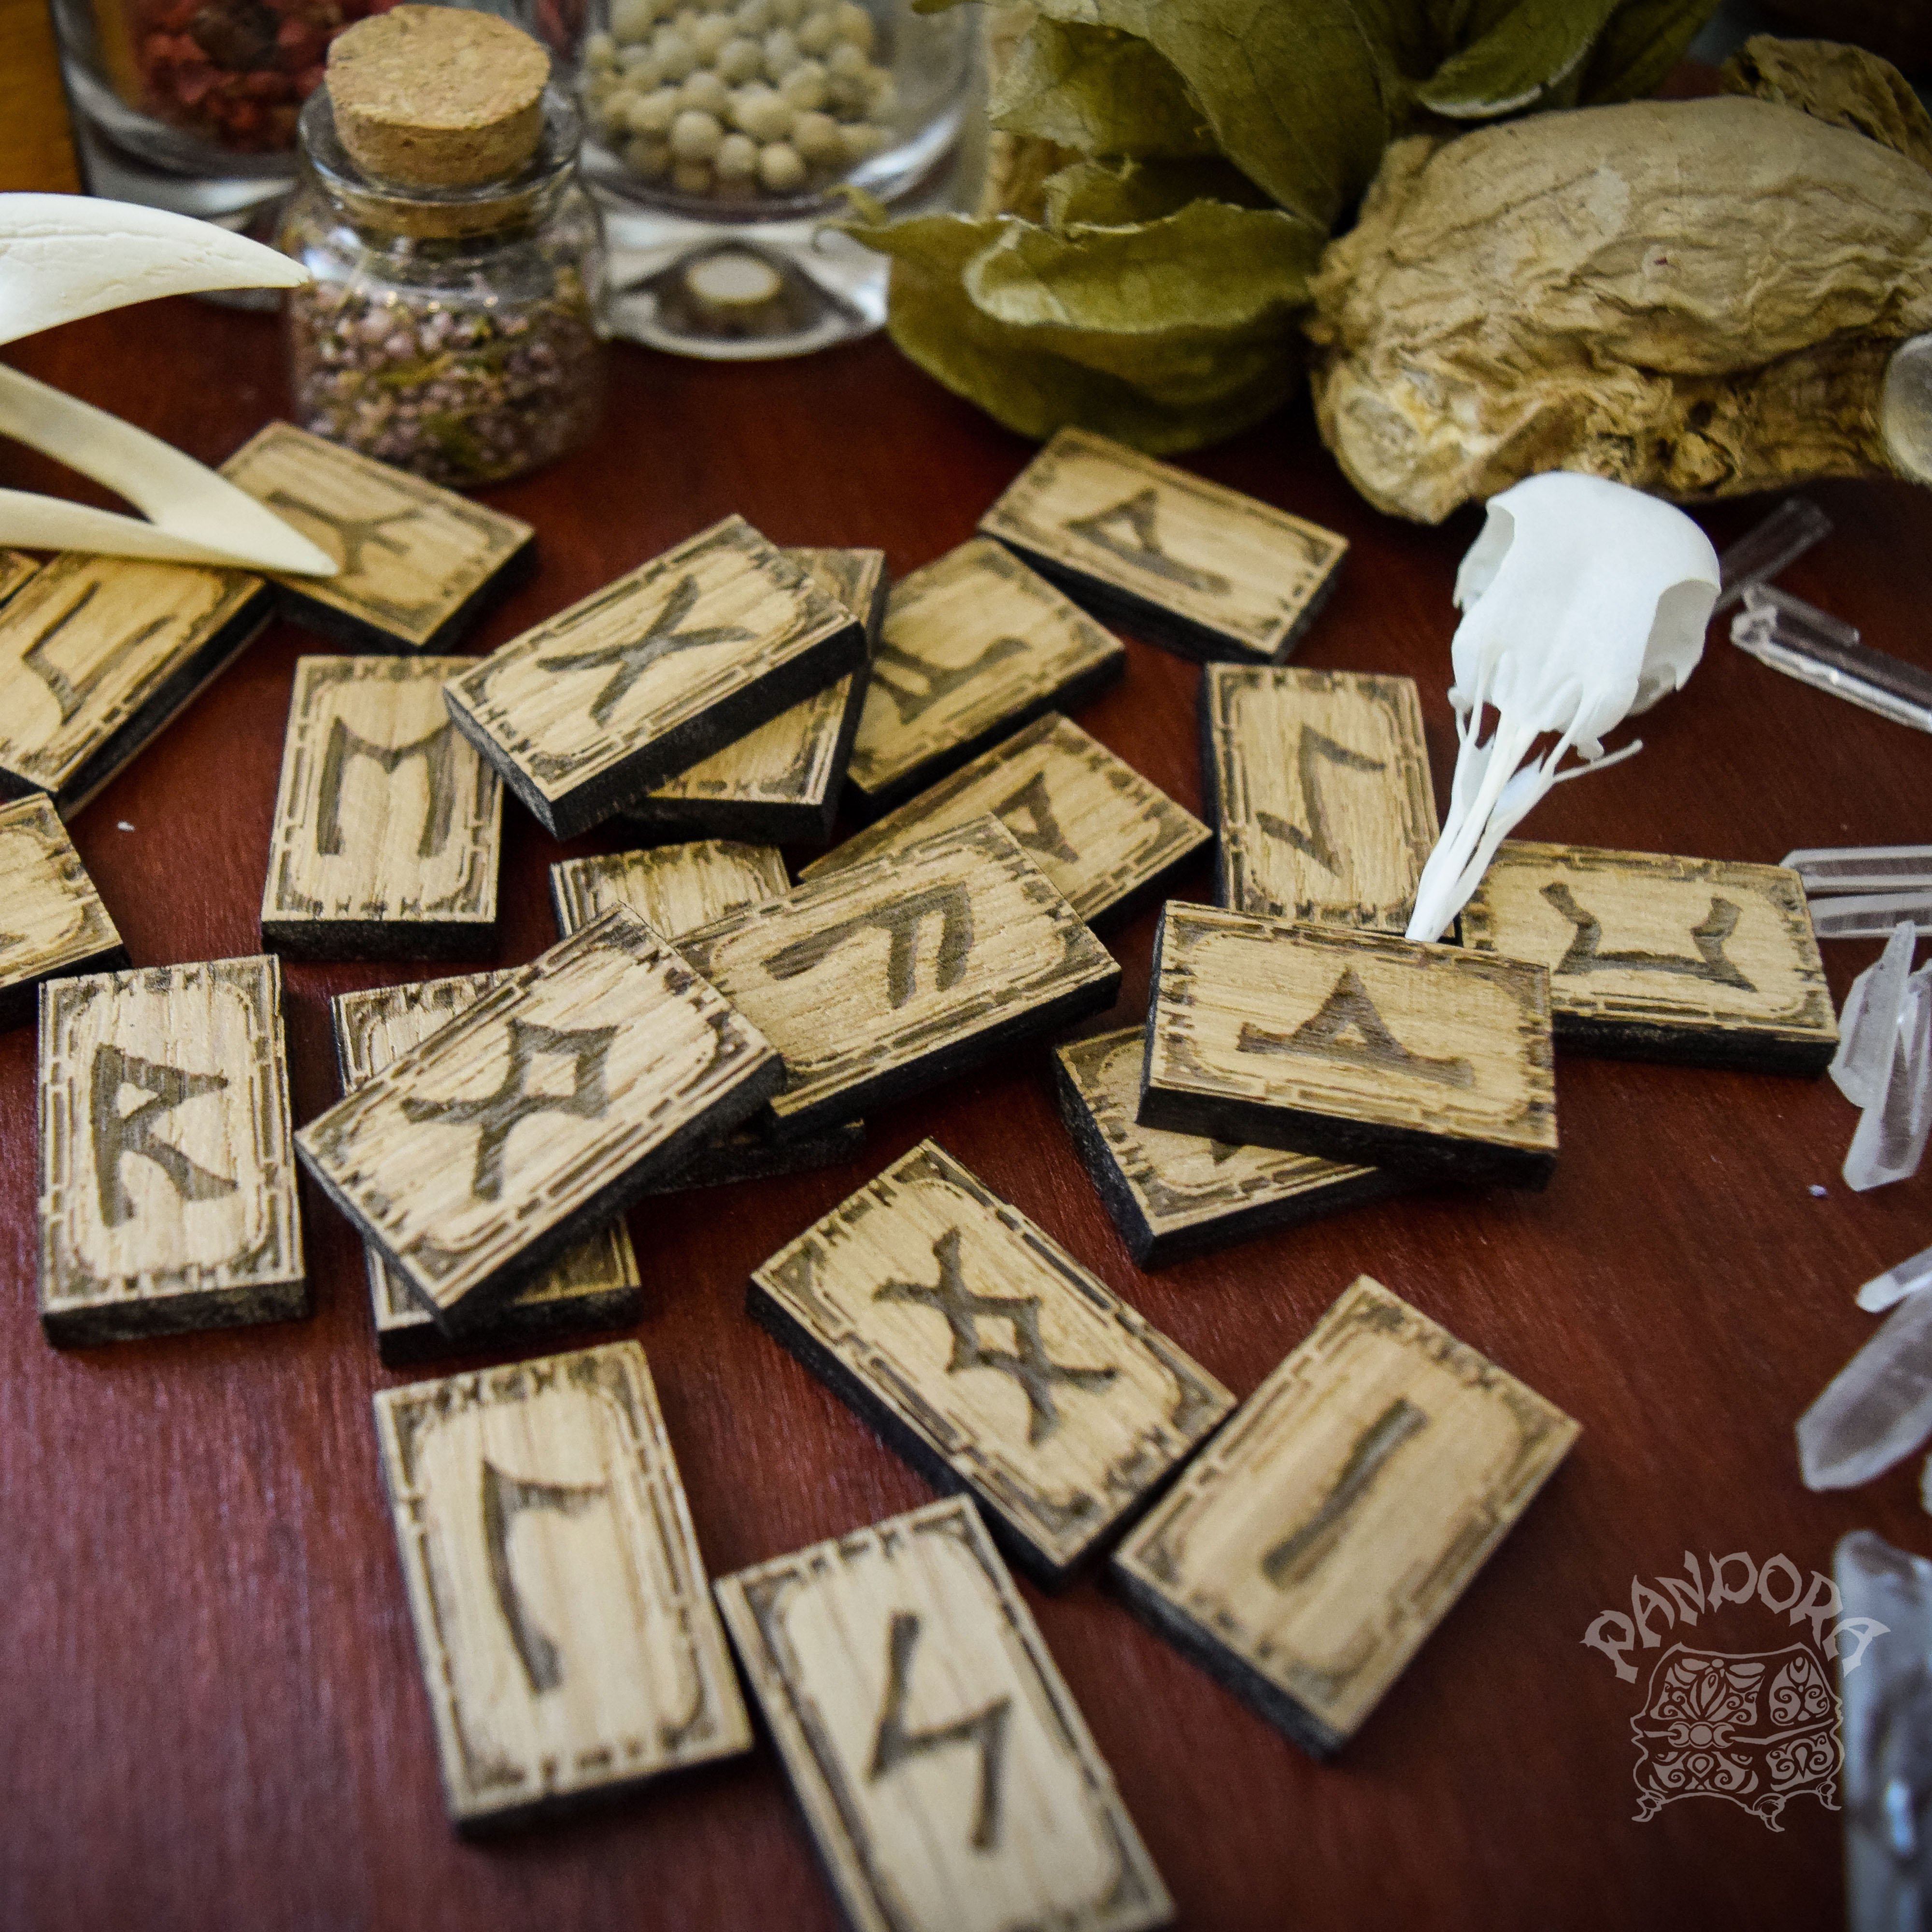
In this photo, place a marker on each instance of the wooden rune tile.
(683, 656)
(989, 1358)
(98, 653)
(945, 1772)
(1186, 563)
(1352, 1045)
(887, 978)
(418, 565)
(1318, 782)
(167, 1186)
(595, 1285)
(388, 826)
(1305, 1555)
(1172, 1195)
(781, 782)
(1709, 960)
(975, 646)
(568, 1643)
(673, 889)
(1109, 840)
(16, 567)
(52, 920)
(477, 1159)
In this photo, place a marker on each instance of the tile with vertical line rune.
(568, 1640)
(52, 921)
(16, 567)
(944, 1771)
(1306, 1554)
(990, 1358)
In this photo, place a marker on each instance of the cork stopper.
(437, 96)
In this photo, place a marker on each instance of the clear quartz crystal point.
(1907, 1277)
(1869, 1024)
(1831, 869)
(1867, 915)
(1889, 1142)
(1767, 548)
(1823, 651)
(1877, 1408)
(1885, 1695)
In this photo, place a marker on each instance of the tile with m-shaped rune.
(1355, 1046)
(475, 1159)
(1709, 960)
(990, 1358)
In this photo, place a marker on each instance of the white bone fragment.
(1585, 601)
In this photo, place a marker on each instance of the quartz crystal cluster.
(734, 100)
(1884, 1063)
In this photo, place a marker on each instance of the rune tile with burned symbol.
(52, 920)
(990, 1358)
(685, 655)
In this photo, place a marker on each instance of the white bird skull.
(1584, 602)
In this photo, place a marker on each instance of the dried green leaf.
(1644, 41)
(1518, 62)
(1115, 194)
(1097, 91)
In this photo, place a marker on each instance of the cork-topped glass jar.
(451, 325)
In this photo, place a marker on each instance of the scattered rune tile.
(1172, 1195)
(167, 1198)
(52, 920)
(782, 782)
(388, 827)
(1828, 871)
(989, 1358)
(945, 1772)
(1356, 1046)
(478, 1158)
(975, 645)
(1877, 1408)
(567, 1641)
(885, 979)
(1868, 1028)
(1318, 784)
(673, 889)
(1710, 961)
(1906, 1277)
(418, 566)
(595, 1285)
(1192, 566)
(642, 679)
(1109, 840)
(98, 653)
(1304, 1556)
(16, 567)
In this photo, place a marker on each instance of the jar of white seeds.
(722, 135)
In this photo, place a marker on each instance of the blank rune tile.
(1173, 1195)
(595, 1285)
(1709, 960)
(975, 646)
(389, 826)
(568, 1640)
(1200, 569)
(944, 1771)
(1319, 783)
(1352, 1045)
(990, 1358)
(52, 920)
(1306, 1554)
(1106, 837)
(642, 679)
(673, 889)
(167, 1186)
(418, 565)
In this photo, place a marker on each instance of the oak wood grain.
(53, 918)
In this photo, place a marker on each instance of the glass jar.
(453, 331)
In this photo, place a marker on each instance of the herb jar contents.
(450, 328)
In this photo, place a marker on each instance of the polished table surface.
(210, 1705)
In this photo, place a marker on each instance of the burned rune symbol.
(437, 750)
(498, 1114)
(116, 1134)
(1709, 937)
(1315, 842)
(1140, 545)
(663, 639)
(505, 1498)
(71, 693)
(355, 534)
(1374, 1048)
(901, 920)
(1029, 1365)
(1028, 815)
(1299, 1554)
(895, 1744)
(935, 682)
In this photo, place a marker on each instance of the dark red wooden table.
(210, 1712)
